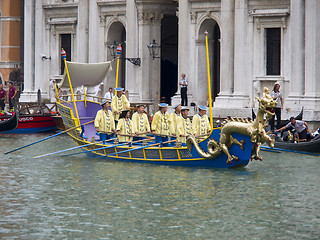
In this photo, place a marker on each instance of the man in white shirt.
(184, 84)
(300, 126)
(98, 92)
(109, 94)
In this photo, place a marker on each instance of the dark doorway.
(216, 62)
(66, 45)
(169, 57)
(273, 36)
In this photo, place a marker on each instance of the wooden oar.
(112, 146)
(293, 151)
(48, 137)
(73, 148)
(130, 150)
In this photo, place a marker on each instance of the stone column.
(149, 30)
(82, 32)
(28, 72)
(227, 53)
(312, 53)
(297, 33)
(241, 59)
(93, 36)
(132, 50)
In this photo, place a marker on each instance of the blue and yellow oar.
(30, 144)
(152, 145)
(107, 147)
(73, 148)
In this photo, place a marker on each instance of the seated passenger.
(125, 127)
(104, 122)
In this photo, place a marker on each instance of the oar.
(112, 146)
(293, 151)
(73, 148)
(270, 150)
(48, 137)
(130, 150)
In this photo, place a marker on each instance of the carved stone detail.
(150, 18)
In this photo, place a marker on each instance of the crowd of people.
(176, 126)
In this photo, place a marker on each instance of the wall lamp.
(113, 53)
(154, 49)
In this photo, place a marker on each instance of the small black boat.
(311, 146)
(9, 124)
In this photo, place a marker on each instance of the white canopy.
(87, 74)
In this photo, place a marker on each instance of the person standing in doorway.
(276, 95)
(12, 95)
(184, 85)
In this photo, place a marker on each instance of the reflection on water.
(79, 198)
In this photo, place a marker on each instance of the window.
(66, 45)
(273, 42)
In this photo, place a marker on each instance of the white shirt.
(299, 126)
(183, 81)
(108, 95)
(278, 100)
(97, 91)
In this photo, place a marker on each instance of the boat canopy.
(85, 74)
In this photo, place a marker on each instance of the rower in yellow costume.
(184, 127)
(160, 123)
(119, 103)
(104, 122)
(141, 122)
(125, 127)
(200, 123)
(173, 119)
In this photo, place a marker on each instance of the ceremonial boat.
(233, 145)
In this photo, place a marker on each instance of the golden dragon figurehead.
(266, 103)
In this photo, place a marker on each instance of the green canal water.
(80, 198)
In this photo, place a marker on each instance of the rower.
(183, 126)
(300, 126)
(104, 122)
(200, 122)
(125, 127)
(140, 122)
(160, 123)
(173, 119)
(119, 103)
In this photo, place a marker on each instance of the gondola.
(8, 124)
(311, 146)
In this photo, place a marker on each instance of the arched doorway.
(117, 34)
(169, 57)
(213, 29)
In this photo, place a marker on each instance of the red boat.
(32, 119)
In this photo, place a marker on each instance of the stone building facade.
(11, 43)
(252, 44)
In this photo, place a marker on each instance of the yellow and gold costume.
(119, 104)
(160, 123)
(125, 126)
(104, 121)
(200, 124)
(141, 123)
(173, 122)
(183, 128)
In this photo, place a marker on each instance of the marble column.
(227, 53)
(312, 53)
(82, 32)
(149, 72)
(93, 32)
(297, 33)
(132, 50)
(241, 61)
(28, 72)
